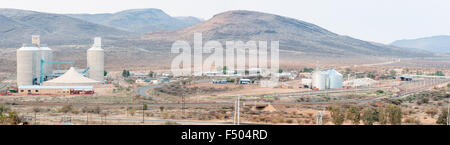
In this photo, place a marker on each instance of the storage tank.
(319, 79)
(26, 56)
(335, 79)
(95, 61)
(47, 55)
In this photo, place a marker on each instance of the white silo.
(47, 55)
(26, 56)
(319, 79)
(335, 79)
(95, 61)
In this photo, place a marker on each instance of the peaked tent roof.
(71, 77)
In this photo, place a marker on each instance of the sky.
(381, 21)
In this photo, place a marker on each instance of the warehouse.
(55, 90)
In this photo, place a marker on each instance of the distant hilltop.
(437, 44)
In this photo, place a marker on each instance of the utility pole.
(236, 113)
(87, 117)
(143, 113)
(448, 112)
(35, 117)
(183, 104)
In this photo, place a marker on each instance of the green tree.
(337, 115)
(280, 70)
(105, 73)
(442, 119)
(145, 107)
(448, 85)
(353, 114)
(393, 73)
(125, 73)
(150, 74)
(369, 116)
(224, 69)
(439, 73)
(306, 69)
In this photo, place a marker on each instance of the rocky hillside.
(139, 20)
(17, 26)
(294, 35)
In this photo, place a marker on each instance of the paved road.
(142, 91)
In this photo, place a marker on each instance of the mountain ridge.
(55, 29)
(139, 20)
(437, 44)
(293, 34)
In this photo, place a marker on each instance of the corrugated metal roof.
(56, 87)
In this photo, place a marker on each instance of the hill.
(437, 44)
(139, 20)
(294, 35)
(17, 26)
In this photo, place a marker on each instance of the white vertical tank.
(47, 55)
(319, 79)
(26, 56)
(335, 79)
(95, 61)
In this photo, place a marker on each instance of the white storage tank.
(335, 79)
(26, 56)
(47, 55)
(95, 61)
(319, 79)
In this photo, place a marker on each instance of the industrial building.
(55, 90)
(36, 76)
(326, 79)
(29, 62)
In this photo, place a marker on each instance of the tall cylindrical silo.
(95, 61)
(47, 55)
(319, 79)
(26, 56)
(37, 63)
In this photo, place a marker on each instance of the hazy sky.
(373, 20)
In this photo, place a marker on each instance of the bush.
(394, 113)
(442, 119)
(66, 108)
(353, 114)
(382, 116)
(4, 109)
(412, 120)
(131, 111)
(337, 115)
(369, 116)
(171, 123)
(95, 110)
(432, 112)
(379, 92)
(422, 100)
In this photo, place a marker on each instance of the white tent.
(71, 78)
